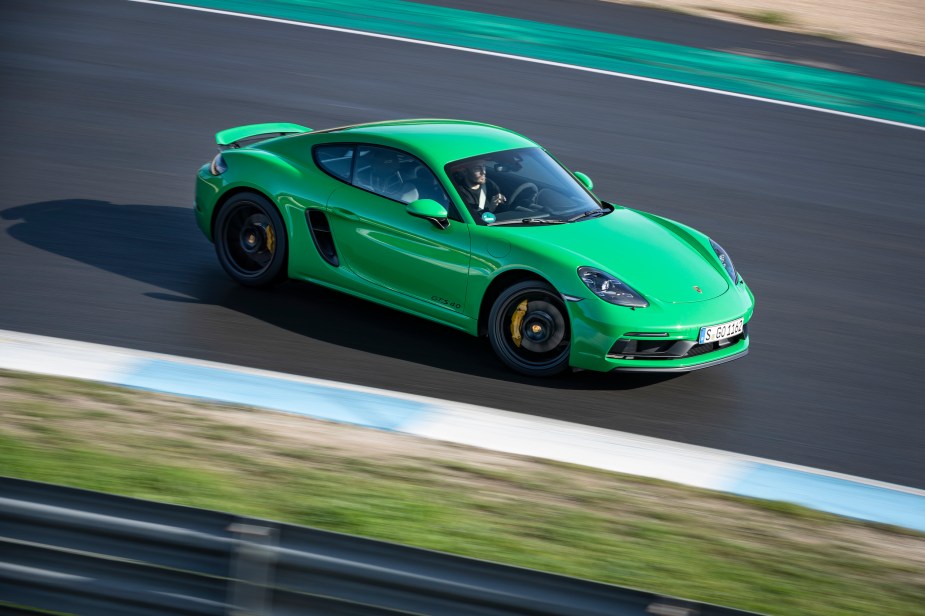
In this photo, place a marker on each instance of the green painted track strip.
(766, 79)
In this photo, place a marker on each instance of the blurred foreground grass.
(755, 555)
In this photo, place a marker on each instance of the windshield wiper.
(588, 214)
(543, 221)
(537, 221)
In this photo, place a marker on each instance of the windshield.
(524, 186)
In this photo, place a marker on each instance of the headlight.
(611, 289)
(726, 260)
(218, 166)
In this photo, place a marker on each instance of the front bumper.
(659, 338)
(699, 366)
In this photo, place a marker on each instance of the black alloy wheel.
(250, 240)
(529, 329)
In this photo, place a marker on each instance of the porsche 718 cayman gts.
(478, 228)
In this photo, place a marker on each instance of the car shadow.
(161, 246)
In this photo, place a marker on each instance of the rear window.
(335, 159)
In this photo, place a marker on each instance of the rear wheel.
(529, 329)
(250, 240)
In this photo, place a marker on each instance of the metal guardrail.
(84, 552)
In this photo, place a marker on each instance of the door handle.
(344, 213)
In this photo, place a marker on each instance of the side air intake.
(321, 234)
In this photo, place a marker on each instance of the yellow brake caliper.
(271, 239)
(516, 319)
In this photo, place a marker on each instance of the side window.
(335, 159)
(397, 175)
(429, 188)
(384, 171)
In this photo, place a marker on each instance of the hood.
(659, 259)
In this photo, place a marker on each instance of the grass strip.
(755, 555)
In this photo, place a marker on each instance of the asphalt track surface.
(109, 107)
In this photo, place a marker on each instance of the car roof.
(434, 140)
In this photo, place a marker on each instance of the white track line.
(534, 61)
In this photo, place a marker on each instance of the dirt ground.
(898, 25)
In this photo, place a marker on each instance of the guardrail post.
(252, 566)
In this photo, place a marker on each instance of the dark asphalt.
(109, 107)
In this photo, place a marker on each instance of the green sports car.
(478, 228)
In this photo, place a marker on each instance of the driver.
(478, 192)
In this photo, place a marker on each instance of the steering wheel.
(522, 194)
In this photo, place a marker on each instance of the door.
(385, 245)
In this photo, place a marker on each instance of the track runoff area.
(714, 72)
(466, 424)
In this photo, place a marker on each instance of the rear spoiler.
(232, 137)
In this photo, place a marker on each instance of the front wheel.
(529, 329)
(250, 240)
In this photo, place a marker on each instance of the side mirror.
(584, 180)
(429, 209)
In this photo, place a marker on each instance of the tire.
(542, 325)
(251, 241)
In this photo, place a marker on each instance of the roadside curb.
(469, 425)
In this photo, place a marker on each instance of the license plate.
(721, 331)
